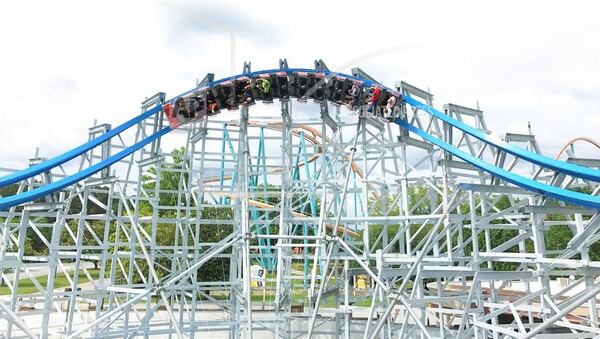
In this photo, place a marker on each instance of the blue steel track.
(523, 182)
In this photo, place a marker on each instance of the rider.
(373, 98)
(264, 86)
(389, 108)
(247, 91)
(354, 93)
(181, 108)
(375, 95)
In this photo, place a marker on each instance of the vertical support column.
(476, 285)
(448, 137)
(539, 247)
(80, 230)
(396, 186)
(589, 279)
(201, 132)
(404, 198)
(365, 186)
(235, 270)
(104, 255)
(17, 272)
(283, 291)
(488, 247)
(6, 244)
(52, 264)
(244, 217)
(321, 229)
(347, 310)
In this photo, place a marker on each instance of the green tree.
(170, 178)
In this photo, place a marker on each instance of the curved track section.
(546, 162)
(573, 141)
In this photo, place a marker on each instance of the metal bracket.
(405, 88)
(153, 100)
(208, 78)
(357, 72)
(320, 65)
(247, 66)
(202, 132)
(283, 64)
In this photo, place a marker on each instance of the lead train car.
(184, 110)
(244, 91)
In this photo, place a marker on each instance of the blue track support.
(18, 199)
(61, 159)
(557, 165)
(528, 184)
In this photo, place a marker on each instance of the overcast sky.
(65, 63)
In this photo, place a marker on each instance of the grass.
(299, 294)
(26, 286)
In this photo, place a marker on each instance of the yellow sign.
(361, 282)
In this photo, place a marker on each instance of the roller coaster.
(373, 214)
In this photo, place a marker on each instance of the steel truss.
(324, 204)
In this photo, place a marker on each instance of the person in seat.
(353, 94)
(213, 108)
(181, 108)
(229, 95)
(338, 90)
(299, 86)
(245, 95)
(388, 111)
(317, 85)
(373, 98)
(212, 104)
(196, 105)
(264, 85)
(282, 80)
